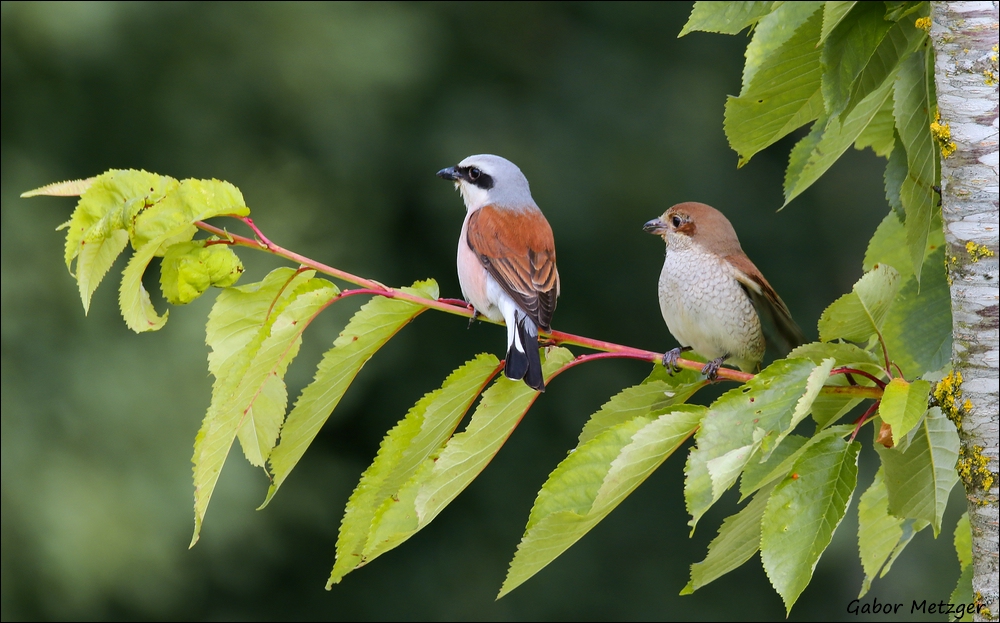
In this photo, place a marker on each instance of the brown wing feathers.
(517, 249)
(768, 304)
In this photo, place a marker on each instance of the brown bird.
(712, 297)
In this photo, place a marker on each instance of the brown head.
(699, 223)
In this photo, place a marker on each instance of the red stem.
(870, 377)
(864, 418)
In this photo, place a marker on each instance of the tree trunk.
(965, 41)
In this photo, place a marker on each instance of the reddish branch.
(459, 308)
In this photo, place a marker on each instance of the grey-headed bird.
(712, 297)
(506, 258)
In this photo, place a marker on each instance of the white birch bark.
(965, 40)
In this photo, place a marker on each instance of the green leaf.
(894, 11)
(833, 14)
(918, 328)
(69, 188)
(804, 511)
(896, 171)
(740, 422)
(780, 463)
(902, 405)
(900, 40)
(738, 540)
(369, 329)
(963, 548)
(255, 332)
(771, 34)
(878, 531)
(880, 134)
(963, 541)
(847, 53)
(828, 408)
(727, 18)
(93, 261)
(817, 378)
(910, 529)
(783, 95)
(189, 268)
(592, 481)
(440, 479)
(133, 299)
(858, 315)
(110, 193)
(913, 120)
(190, 201)
(837, 135)
(888, 246)
(920, 477)
(415, 439)
(659, 391)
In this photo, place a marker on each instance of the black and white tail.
(523, 361)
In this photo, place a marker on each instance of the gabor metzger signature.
(942, 607)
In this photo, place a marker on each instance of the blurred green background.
(333, 119)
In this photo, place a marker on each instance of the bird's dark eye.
(474, 174)
(676, 221)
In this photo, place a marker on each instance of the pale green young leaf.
(833, 14)
(110, 192)
(418, 436)
(880, 134)
(772, 32)
(190, 201)
(440, 479)
(69, 188)
(913, 122)
(189, 268)
(918, 330)
(93, 261)
(780, 462)
(910, 529)
(903, 404)
(859, 314)
(592, 481)
(879, 532)
(783, 96)
(804, 511)
(800, 154)
(659, 391)
(896, 171)
(369, 329)
(727, 18)
(255, 332)
(737, 541)
(751, 415)
(920, 478)
(847, 53)
(839, 133)
(133, 299)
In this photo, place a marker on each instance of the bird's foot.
(475, 314)
(711, 369)
(670, 359)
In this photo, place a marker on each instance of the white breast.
(705, 307)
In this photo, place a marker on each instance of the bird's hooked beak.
(655, 226)
(451, 173)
